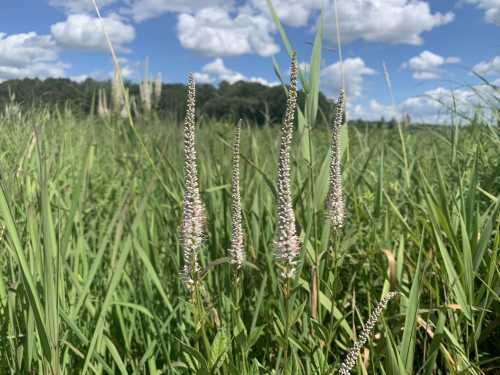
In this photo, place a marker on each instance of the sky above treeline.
(429, 48)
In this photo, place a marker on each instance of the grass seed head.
(102, 104)
(157, 88)
(116, 91)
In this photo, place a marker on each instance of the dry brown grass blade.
(391, 268)
(428, 329)
(314, 293)
(27, 155)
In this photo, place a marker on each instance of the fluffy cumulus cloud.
(142, 10)
(295, 13)
(427, 65)
(36, 70)
(128, 68)
(354, 70)
(29, 55)
(390, 21)
(221, 28)
(200, 77)
(215, 32)
(373, 111)
(489, 68)
(80, 6)
(80, 78)
(491, 9)
(435, 106)
(84, 32)
(217, 71)
(20, 48)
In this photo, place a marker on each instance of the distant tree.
(252, 101)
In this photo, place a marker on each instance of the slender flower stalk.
(193, 222)
(237, 251)
(124, 109)
(157, 89)
(116, 91)
(287, 246)
(350, 360)
(335, 201)
(102, 104)
(146, 90)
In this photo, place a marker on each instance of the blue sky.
(429, 47)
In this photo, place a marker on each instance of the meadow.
(93, 242)
(91, 253)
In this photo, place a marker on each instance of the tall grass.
(90, 215)
(91, 253)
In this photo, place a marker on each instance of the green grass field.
(90, 252)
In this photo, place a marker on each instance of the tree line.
(251, 101)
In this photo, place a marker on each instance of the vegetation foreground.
(90, 219)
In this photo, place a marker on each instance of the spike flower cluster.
(350, 360)
(237, 251)
(287, 246)
(193, 221)
(335, 201)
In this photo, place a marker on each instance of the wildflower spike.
(287, 246)
(335, 201)
(350, 360)
(193, 216)
(237, 251)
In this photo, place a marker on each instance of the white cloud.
(29, 55)
(214, 32)
(354, 70)
(144, 9)
(263, 81)
(491, 9)
(80, 6)
(427, 65)
(488, 68)
(223, 73)
(128, 69)
(84, 32)
(37, 70)
(373, 112)
(80, 78)
(435, 106)
(294, 13)
(203, 78)
(21, 48)
(217, 71)
(390, 21)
